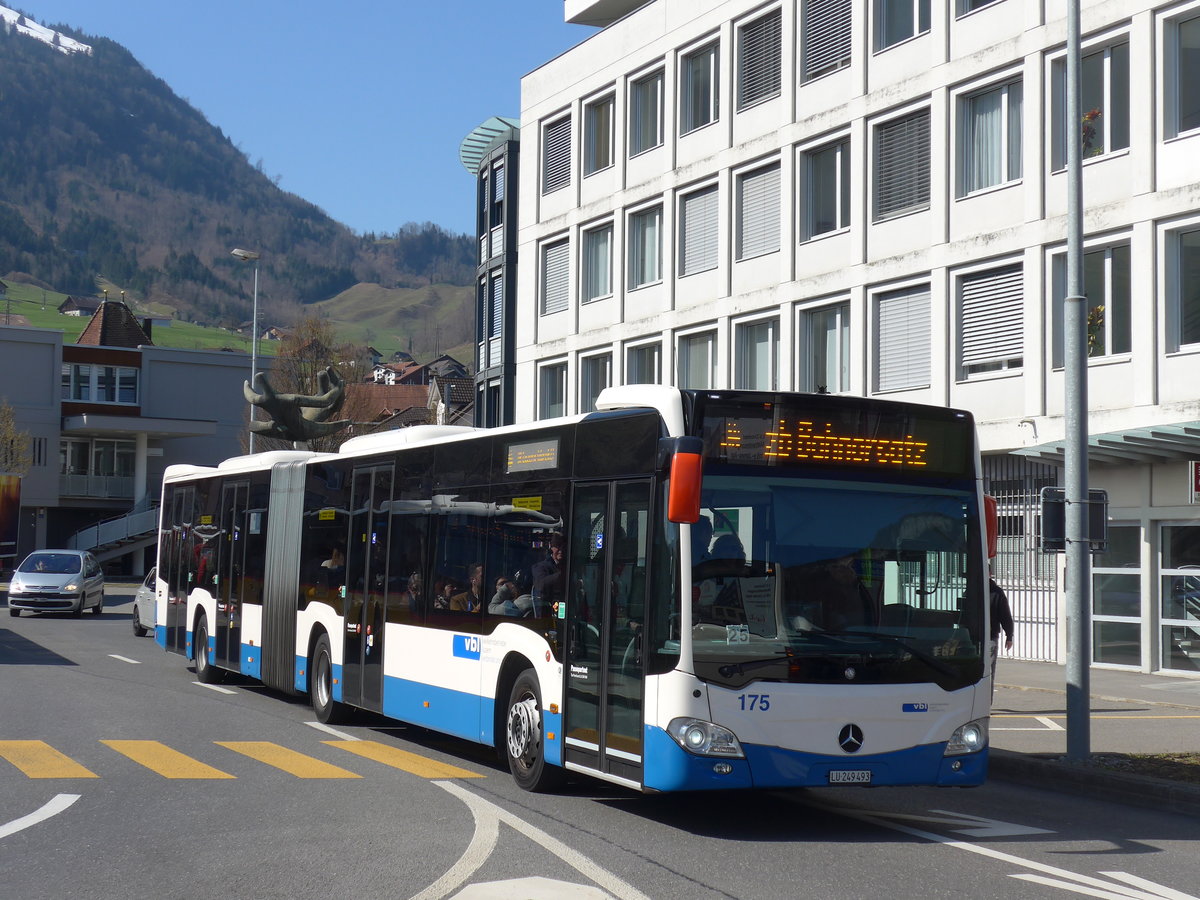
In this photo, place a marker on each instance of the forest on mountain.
(107, 178)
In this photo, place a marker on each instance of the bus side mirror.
(992, 522)
(683, 493)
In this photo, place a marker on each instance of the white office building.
(870, 198)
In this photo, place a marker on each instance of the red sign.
(1194, 479)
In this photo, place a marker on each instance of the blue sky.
(358, 106)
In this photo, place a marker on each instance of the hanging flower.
(1089, 133)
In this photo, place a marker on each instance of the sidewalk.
(1130, 713)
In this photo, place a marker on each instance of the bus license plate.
(850, 776)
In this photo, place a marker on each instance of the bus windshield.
(829, 581)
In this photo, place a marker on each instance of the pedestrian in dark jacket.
(1001, 619)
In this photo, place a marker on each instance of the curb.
(1055, 773)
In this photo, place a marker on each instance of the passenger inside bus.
(471, 599)
(443, 590)
(829, 595)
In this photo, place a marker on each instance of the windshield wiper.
(932, 661)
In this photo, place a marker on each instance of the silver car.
(57, 581)
(144, 612)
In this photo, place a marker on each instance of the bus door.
(366, 586)
(606, 602)
(179, 562)
(231, 586)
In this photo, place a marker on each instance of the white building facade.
(870, 198)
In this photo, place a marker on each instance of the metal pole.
(254, 349)
(1078, 553)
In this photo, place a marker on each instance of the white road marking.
(126, 659)
(1047, 723)
(972, 826)
(337, 734)
(215, 687)
(483, 842)
(1080, 884)
(485, 810)
(53, 808)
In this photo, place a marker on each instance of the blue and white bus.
(684, 590)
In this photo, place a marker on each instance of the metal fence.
(1028, 576)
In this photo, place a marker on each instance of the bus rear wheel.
(206, 672)
(524, 738)
(328, 710)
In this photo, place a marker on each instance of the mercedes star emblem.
(850, 738)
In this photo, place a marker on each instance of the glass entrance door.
(606, 602)
(233, 564)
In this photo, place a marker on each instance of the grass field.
(40, 309)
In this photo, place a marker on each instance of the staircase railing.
(132, 524)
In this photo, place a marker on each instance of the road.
(120, 776)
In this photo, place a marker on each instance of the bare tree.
(14, 443)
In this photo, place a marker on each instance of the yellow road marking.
(37, 759)
(168, 763)
(402, 759)
(289, 761)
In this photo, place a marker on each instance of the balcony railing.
(118, 487)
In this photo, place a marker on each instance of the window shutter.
(902, 165)
(497, 301)
(555, 272)
(699, 250)
(556, 155)
(758, 213)
(902, 339)
(760, 45)
(825, 36)
(498, 184)
(992, 324)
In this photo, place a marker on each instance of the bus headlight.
(969, 738)
(704, 738)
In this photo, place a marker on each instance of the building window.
(899, 20)
(495, 320)
(1187, 76)
(101, 457)
(902, 345)
(555, 277)
(552, 391)
(90, 383)
(760, 59)
(597, 263)
(991, 137)
(758, 212)
(497, 208)
(1106, 285)
(829, 349)
(38, 448)
(1188, 291)
(902, 166)
(645, 247)
(991, 320)
(556, 155)
(827, 194)
(595, 374)
(758, 356)
(825, 37)
(968, 6)
(698, 361)
(643, 364)
(1104, 88)
(598, 135)
(698, 246)
(645, 114)
(698, 89)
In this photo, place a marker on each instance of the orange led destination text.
(819, 443)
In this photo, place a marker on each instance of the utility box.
(1054, 520)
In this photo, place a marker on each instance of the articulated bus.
(684, 590)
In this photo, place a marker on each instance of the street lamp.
(252, 256)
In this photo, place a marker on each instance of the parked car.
(57, 581)
(143, 605)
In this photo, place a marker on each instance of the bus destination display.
(531, 456)
(824, 435)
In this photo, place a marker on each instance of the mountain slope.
(105, 174)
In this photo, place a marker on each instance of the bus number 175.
(761, 702)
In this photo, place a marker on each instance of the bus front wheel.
(524, 737)
(328, 710)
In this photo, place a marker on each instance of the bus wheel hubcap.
(522, 728)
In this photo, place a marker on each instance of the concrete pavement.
(1130, 713)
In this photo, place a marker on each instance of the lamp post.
(252, 256)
